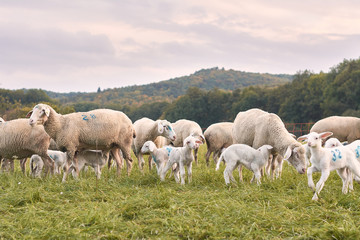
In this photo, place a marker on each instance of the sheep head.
(39, 114)
(165, 129)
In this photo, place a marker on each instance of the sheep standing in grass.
(256, 128)
(182, 156)
(93, 158)
(343, 128)
(217, 136)
(101, 129)
(184, 128)
(325, 160)
(159, 155)
(148, 130)
(19, 140)
(242, 154)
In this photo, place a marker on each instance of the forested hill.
(205, 79)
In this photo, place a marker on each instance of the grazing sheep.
(19, 140)
(159, 155)
(182, 156)
(36, 163)
(217, 137)
(256, 128)
(100, 129)
(325, 160)
(148, 130)
(93, 158)
(343, 128)
(184, 128)
(242, 154)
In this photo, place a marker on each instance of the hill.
(205, 79)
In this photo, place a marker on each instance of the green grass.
(140, 206)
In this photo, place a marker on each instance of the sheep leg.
(97, 171)
(257, 175)
(141, 161)
(320, 184)
(230, 167)
(189, 168)
(240, 173)
(345, 179)
(279, 168)
(118, 160)
(207, 157)
(70, 158)
(196, 155)
(48, 163)
(268, 165)
(350, 179)
(182, 172)
(310, 171)
(165, 169)
(23, 165)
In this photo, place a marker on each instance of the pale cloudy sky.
(81, 45)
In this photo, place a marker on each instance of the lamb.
(101, 129)
(255, 128)
(343, 128)
(19, 140)
(242, 154)
(159, 155)
(93, 158)
(325, 160)
(184, 128)
(149, 130)
(217, 137)
(36, 163)
(182, 156)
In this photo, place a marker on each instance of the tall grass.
(142, 207)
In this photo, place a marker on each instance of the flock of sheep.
(256, 139)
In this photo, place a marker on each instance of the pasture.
(142, 207)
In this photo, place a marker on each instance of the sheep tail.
(221, 158)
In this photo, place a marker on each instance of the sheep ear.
(269, 147)
(47, 112)
(325, 135)
(151, 147)
(302, 138)
(287, 153)
(160, 127)
(29, 113)
(293, 135)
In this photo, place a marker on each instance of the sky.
(81, 45)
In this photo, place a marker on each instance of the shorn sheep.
(148, 130)
(217, 136)
(182, 156)
(101, 129)
(343, 128)
(325, 160)
(184, 128)
(242, 154)
(159, 155)
(256, 128)
(19, 140)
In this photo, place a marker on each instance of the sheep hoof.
(315, 197)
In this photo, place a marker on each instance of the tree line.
(308, 98)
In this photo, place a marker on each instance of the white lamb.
(148, 130)
(182, 156)
(159, 155)
(325, 160)
(93, 158)
(242, 154)
(36, 162)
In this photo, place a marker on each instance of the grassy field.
(142, 207)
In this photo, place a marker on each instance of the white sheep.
(325, 160)
(18, 140)
(182, 156)
(256, 128)
(242, 154)
(101, 129)
(343, 128)
(148, 130)
(159, 155)
(59, 158)
(93, 158)
(217, 137)
(184, 128)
